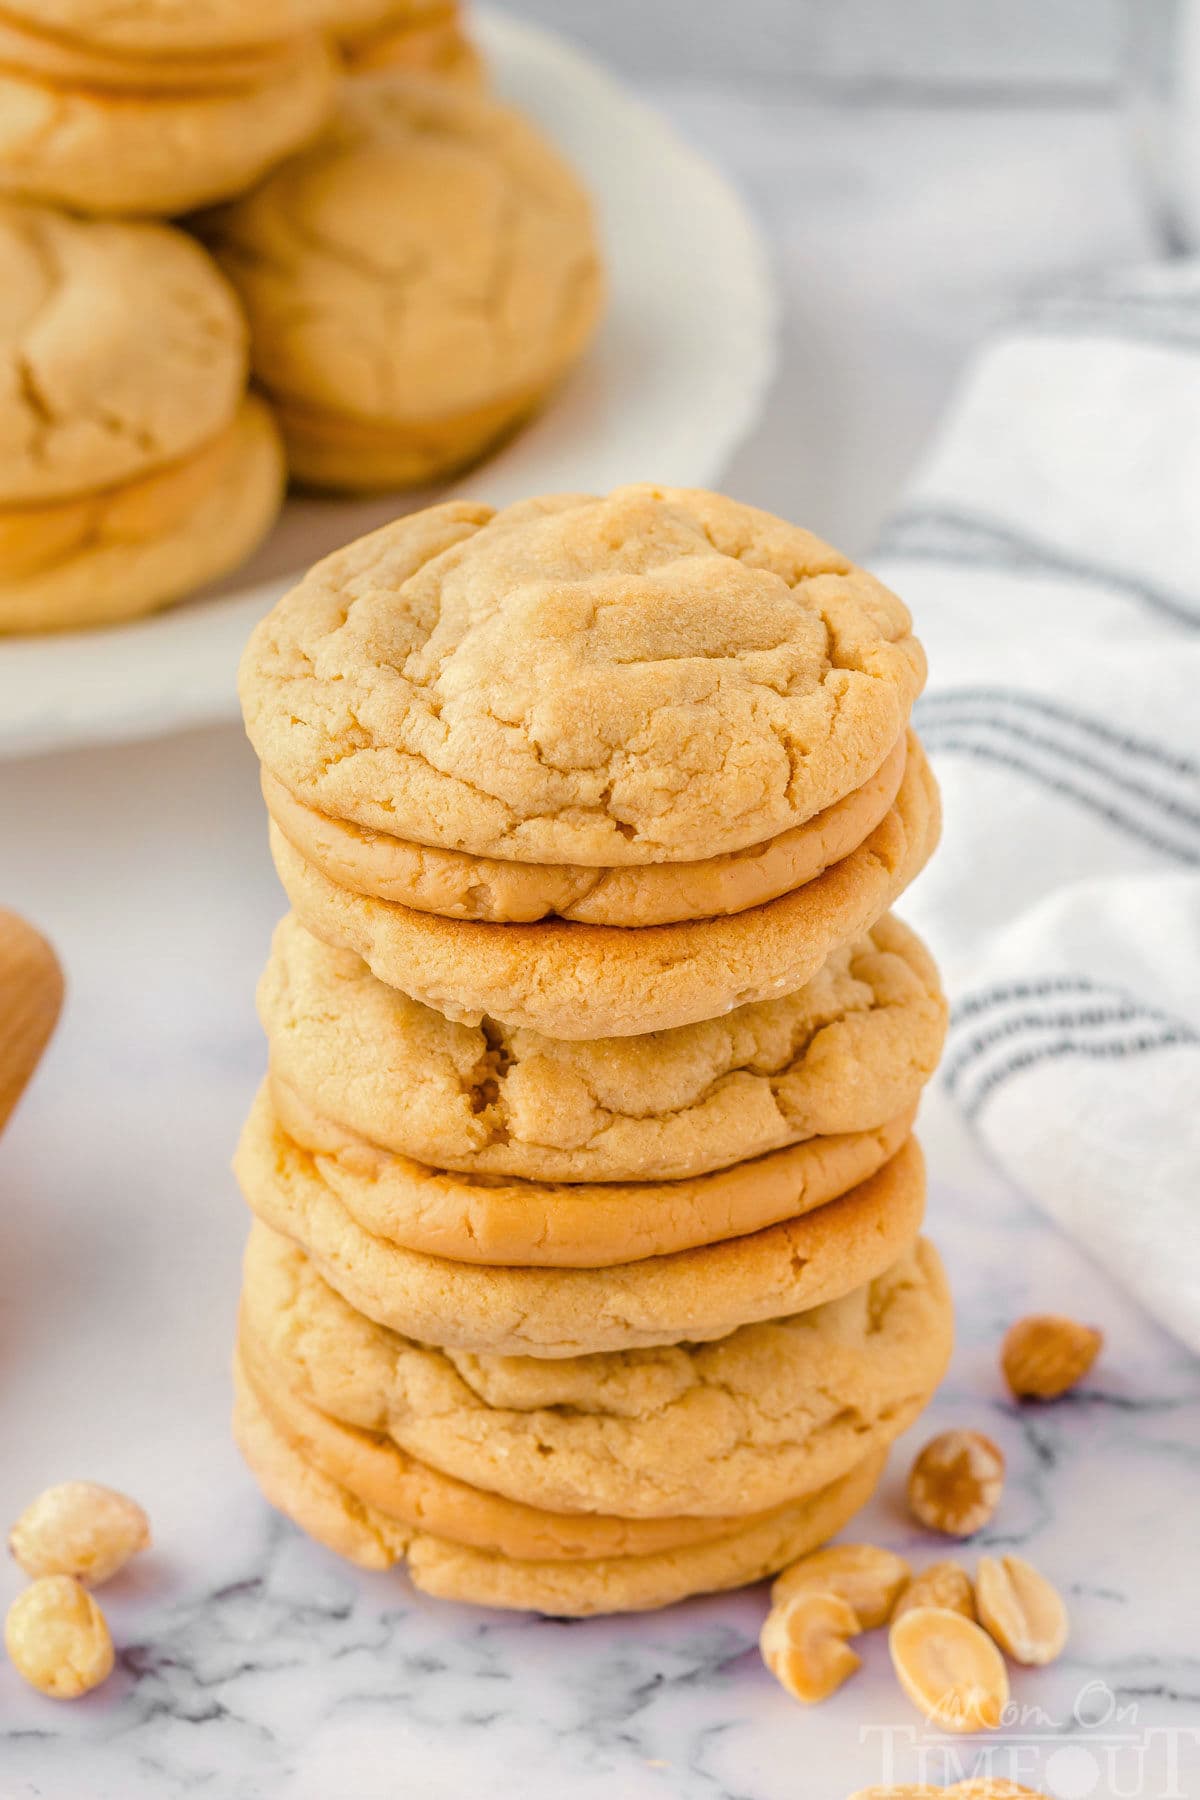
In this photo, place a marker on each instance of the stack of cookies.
(416, 266)
(586, 1270)
(134, 466)
(156, 106)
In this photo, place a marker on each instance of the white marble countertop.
(254, 1664)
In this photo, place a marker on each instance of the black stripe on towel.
(1171, 808)
(1020, 702)
(949, 742)
(950, 535)
(1166, 1038)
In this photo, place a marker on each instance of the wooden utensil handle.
(31, 992)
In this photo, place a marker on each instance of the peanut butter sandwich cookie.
(845, 1054)
(133, 466)
(156, 109)
(410, 1492)
(691, 1294)
(593, 981)
(487, 1220)
(420, 37)
(460, 886)
(738, 1426)
(344, 1522)
(416, 283)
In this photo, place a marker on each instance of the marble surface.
(253, 1664)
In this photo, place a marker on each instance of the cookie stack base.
(346, 1524)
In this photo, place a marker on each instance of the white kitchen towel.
(1050, 551)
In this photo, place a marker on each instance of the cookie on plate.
(416, 282)
(150, 109)
(133, 466)
(421, 37)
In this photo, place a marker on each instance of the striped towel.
(1050, 549)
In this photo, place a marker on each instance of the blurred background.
(918, 166)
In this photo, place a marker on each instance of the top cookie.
(659, 675)
(162, 27)
(122, 348)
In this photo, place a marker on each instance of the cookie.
(419, 37)
(696, 1294)
(737, 1426)
(416, 282)
(129, 144)
(122, 350)
(846, 1053)
(484, 1219)
(458, 886)
(593, 981)
(110, 556)
(156, 29)
(661, 675)
(344, 1523)
(411, 1493)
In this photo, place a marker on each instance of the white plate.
(675, 380)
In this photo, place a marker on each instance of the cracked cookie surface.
(415, 282)
(698, 1294)
(122, 349)
(845, 1053)
(344, 1522)
(658, 675)
(732, 1427)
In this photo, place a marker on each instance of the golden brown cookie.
(418, 37)
(697, 1294)
(346, 1524)
(458, 886)
(152, 30)
(101, 558)
(416, 282)
(412, 1493)
(594, 981)
(485, 1219)
(660, 675)
(845, 1053)
(122, 350)
(79, 130)
(732, 1427)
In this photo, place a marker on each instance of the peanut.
(983, 1787)
(58, 1638)
(942, 1584)
(955, 1483)
(1020, 1608)
(79, 1529)
(949, 1668)
(863, 1575)
(803, 1643)
(1044, 1355)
